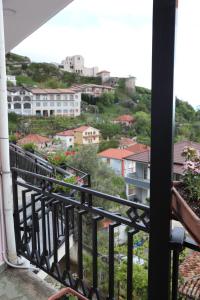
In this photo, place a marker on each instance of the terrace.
(45, 221)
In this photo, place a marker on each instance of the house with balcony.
(86, 135)
(115, 158)
(44, 102)
(138, 182)
(36, 222)
(94, 90)
(20, 101)
(66, 137)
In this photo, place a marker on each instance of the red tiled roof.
(126, 142)
(179, 160)
(138, 148)
(33, 138)
(104, 71)
(141, 157)
(191, 265)
(178, 149)
(115, 153)
(125, 118)
(89, 85)
(66, 133)
(83, 128)
(190, 272)
(51, 91)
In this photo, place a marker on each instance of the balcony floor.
(23, 285)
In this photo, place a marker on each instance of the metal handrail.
(40, 162)
(53, 218)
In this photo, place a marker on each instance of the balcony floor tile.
(18, 284)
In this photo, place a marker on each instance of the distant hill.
(44, 75)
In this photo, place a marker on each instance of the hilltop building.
(75, 64)
(105, 76)
(95, 90)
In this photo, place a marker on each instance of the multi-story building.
(94, 90)
(20, 101)
(66, 137)
(44, 102)
(105, 76)
(75, 64)
(86, 135)
(140, 179)
(115, 158)
(12, 79)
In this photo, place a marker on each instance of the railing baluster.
(111, 260)
(67, 231)
(55, 240)
(24, 215)
(16, 211)
(34, 225)
(48, 232)
(38, 252)
(80, 244)
(44, 238)
(130, 265)
(175, 268)
(95, 251)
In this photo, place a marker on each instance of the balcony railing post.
(16, 211)
(162, 124)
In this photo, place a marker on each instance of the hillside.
(97, 112)
(44, 75)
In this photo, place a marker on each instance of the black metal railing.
(35, 163)
(45, 220)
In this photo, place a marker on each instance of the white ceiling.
(23, 17)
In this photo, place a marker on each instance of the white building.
(116, 159)
(66, 137)
(20, 101)
(12, 79)
(44, 102)
(105, 76)
(91, 89)
(75, 64)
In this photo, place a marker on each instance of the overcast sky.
(116, 35)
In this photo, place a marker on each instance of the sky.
(116, 36)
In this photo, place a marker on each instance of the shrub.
(57, 188)
(191, 177)
(12, 138)
(57, 159)
(31, 147)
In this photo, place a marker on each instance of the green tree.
(142, 124)
(108, 144)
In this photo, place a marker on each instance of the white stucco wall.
(68, 141)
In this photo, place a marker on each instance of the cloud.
(116, 35)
